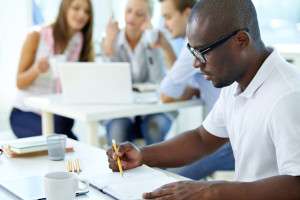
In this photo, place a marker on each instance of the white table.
(93, 160)
(92, 113)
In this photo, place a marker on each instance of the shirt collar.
(261, 76)
(185, 41)
(122, 41)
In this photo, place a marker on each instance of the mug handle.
(86, 183)
(1, 151)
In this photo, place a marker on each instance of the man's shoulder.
(286, 77)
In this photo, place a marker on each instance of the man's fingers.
(123, 148)
(160, 192)
(113, 165)
(110, 152)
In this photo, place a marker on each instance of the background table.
(93, 113)
(93, 161)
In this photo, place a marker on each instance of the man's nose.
(197, 63)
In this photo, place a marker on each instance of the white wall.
(119, 10)
(15, 18)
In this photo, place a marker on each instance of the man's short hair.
(181, 5)
(228, 15)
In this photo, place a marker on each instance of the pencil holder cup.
(56, 144)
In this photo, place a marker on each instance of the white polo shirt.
(263, 122)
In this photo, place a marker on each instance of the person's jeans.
(222, 159)
(153, 128)
(27, 124)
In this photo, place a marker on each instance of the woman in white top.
(70, 35)
(147, 65)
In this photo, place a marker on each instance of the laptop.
(98, 83)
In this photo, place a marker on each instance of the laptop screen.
(103, 83)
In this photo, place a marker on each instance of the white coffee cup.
(62, 185)
(54, 62)
(151, 35)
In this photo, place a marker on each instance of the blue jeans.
(222, 159)
(153, 128)
(27, 124)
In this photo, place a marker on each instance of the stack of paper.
(31, 148)
(145, 87)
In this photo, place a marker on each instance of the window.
(279, 21)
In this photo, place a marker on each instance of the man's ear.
(242, 39)
(187, 12)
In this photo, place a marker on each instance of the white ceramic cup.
(54, 62)
(151, 35)
(62, 185)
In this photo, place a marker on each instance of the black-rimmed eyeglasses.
(199, 53)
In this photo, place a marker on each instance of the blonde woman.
(70, 35)
(147, 65)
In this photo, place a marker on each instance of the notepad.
(134, 183)
(28, 147)
(145, 87)
(145, 97)
(32, 152)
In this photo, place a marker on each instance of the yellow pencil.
(118, 160)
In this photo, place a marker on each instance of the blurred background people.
(71, 36)
(147, 65)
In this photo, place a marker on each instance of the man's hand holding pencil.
(130, 156)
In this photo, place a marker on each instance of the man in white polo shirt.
(258, 110)
(183, 81)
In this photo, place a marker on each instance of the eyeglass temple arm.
(222, 40)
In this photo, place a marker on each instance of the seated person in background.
(147, 65)
(180, 82)
(70, 35)
(258, 110)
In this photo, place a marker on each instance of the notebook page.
(139, 173)
(134, 190)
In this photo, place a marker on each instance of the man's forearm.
(274, 188)
(169, 55)
(181, 150)
(170, 153)
(189, 92)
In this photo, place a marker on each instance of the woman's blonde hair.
(181, 5)
(60, 32)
